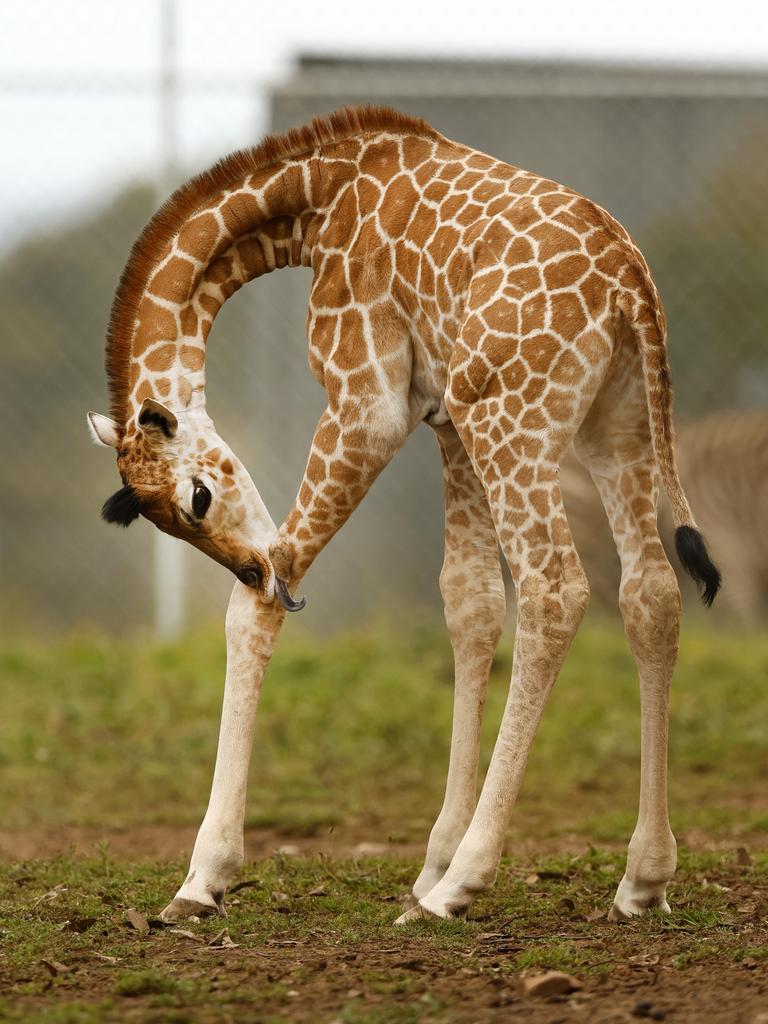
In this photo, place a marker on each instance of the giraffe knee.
(654, 592)
(651, 601)
(475, 604)
(575, 597)
(560, 603)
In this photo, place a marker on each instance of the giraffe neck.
(262, 222)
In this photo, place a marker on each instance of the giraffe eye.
(201, 500)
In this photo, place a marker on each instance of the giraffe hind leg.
(520, 476)
(614, 443)
(552, 596)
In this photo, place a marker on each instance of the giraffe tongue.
(283, 595)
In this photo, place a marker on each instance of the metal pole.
(169, 552)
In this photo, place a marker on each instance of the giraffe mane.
(188, 199)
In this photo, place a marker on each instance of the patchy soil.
(310, 939)
(314, 982)
(343, 814)
(175, 842)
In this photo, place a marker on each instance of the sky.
(77, 100)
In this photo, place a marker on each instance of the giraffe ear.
(103, 430)
(157, 420)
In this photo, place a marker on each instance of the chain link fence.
(680, 157)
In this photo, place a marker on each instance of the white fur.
(252, 629)
(103, 430)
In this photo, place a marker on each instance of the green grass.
(354, 731)
(333, 955)
(353, 736)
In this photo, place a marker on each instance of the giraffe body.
(506, 311)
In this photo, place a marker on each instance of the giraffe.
(508, 313)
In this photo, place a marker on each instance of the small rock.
(645, 1008)
(137, 921)
(288, 851)
(642, 1008)
(78, 924)
(550, 983)
(223, 940)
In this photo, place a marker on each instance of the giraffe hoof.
(417, 913)
(617, 915)
(634, 898)
(628, 912)
(180, 908)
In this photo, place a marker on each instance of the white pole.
(169, 552)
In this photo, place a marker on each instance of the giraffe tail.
(646, 319)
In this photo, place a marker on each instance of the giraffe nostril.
(252, 575)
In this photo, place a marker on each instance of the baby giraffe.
(511, 315)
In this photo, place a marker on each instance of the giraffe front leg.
(475, 610)
(352, 444)
(251, 629)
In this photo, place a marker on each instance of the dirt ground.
(475, 994)
(175, 842)
(307, 954)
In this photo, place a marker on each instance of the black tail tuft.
(692, 552)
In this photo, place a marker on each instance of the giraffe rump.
(154, 238)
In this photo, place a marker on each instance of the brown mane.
(166, 222)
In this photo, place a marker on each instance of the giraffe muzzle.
(252, 575)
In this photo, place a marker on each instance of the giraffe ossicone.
(511, 315)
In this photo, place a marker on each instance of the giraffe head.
(180, 475)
